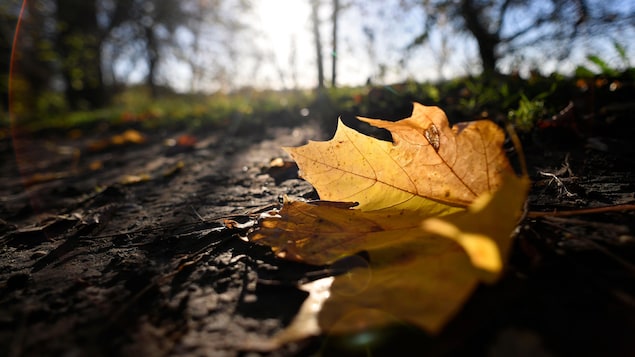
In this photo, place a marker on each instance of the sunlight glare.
(285, 24)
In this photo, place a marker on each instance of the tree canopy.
(513, 27)
(75, 44)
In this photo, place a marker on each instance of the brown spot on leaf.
(432, 135)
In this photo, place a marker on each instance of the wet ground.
(114, 244)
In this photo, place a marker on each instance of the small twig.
(559, 183)
(564, 169)
(253, 213)
(615, 208)
(197, 214)
(566, 165)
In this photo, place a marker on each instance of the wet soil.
(121, 249)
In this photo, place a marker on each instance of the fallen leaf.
(425, 281)
(186, 140)
(129, 136)
(434, 210)
(321, 232)
(415, 275)
(429, 167)
(132, 179)
(132, 136)
(96, 165)
(485, 230)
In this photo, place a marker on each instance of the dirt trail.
(122, 251)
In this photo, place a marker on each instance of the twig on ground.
(566, 168)
(559, 183)
(575, 212)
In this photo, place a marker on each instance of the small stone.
(250, 298)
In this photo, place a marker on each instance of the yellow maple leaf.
(428, 167)
(414, 274)
(437, 207)
(322, 232)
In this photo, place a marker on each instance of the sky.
(285, 35)
(286, 25)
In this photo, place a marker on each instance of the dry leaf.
(429, 167)
(186, 140)
(96, 165)
(436, 212)
(426, 280)
(322, 232)
(129, 136)
(132, 179)
(414, 275)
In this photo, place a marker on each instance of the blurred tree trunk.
(79, 43)
(334, 18)
(8, 21)
(487, 21)
(487, 41)
(315, 4)
(152, 49)
(31, 61)
(7, 27)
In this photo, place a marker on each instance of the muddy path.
(120, 249)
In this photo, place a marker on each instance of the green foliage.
(522, 102)
(480, 96)
(50, 104)
(603, 66)
(135, 105)
(528, 112)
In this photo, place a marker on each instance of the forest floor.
(115, 245)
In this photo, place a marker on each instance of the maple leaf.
(436, 209)
(428, 167)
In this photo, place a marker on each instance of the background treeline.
(77, 55)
